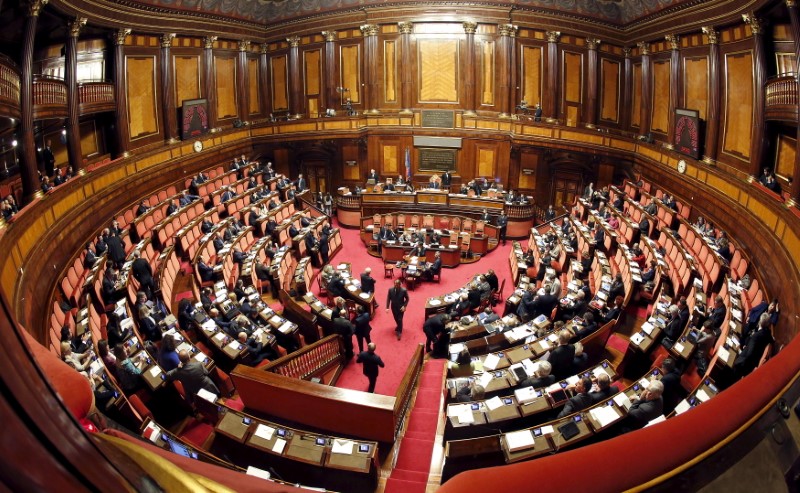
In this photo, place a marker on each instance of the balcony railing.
(9, 88)
(781, 98)
(96, 97)
(323, 359)
(49, 97)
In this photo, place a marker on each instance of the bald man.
(372, 362)
(193, 375)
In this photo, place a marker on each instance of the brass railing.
(310, 361)
(780, 94)
(9, 83)
(49, 91)
(96, 96)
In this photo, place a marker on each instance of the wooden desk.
(232, 426)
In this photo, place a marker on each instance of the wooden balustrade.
(781, 98)
(9, 88)
(49, 98)
(323, 359)
(96, 97)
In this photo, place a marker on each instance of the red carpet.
(618, 343)
(410, 473)
(196, 433)
(185, 294)
(396, 354)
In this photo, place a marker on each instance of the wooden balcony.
(96, 97)
(49, 98)
(9, 88)
(781, 98)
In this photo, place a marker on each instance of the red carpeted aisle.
(410, 473)
(396, 354)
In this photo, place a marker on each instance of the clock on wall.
(687, 132)
(681, 166)
(198, 146)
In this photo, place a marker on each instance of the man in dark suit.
(432, 328)
(673, 392)
(579, 401)
(753, 348)
(397, 300)
(363, 328)
(205, 270)
(345, 328)
(561, 358)
(238, 256)
(312, 248)
(301, 183)
(116, 252)
(324, 247)
(502, 223)
(367, 281)
(143, 208)
(646, 408)
(371, 362)
(49, 159)
(373, 175)
(293, 231)
(446, 180)
(143, 273)
(434, 268)
(336, 285)
(599, 236)
(604, 389)
(644, 226)
(193, 375)
(90, 258)
(541, 377)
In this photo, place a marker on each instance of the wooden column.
(120, 96)
(758, 144)
(331, 77)
(28, 165)
(647, 89)
(674, 84)
(794, 18)
(406, 75)
(242, 82)
(168, 90)
(627, 89)
(263, 73)
(504, 87)
(712, 118)
(210, 89)
(74, 153)
(550, 103)
(592, 74)
(370, 32)
(295, 78)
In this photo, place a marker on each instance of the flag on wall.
(408, 165)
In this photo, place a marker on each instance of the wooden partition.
(340, 411)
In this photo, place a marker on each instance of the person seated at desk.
(463, 190)
(541, 378)
(552, 285)
(79, 361)
(463, 366)
(367, 283)
(472, 391)
(484, 287)
(147, 325)
(460, 308)
(127, 373)
(647, 407)
(256, 350)
(575, 308)
(485, 217)
(436, 238)
(167, 355)
(612, 313)
(474, 296)
(586, 326)
(581, 400)
(172, 208)
(491, 278)
(373, 175)
(613, 222)
(433, 183)
(419, 250)
(753, 347)
(602, 389)
(336, 285)
(205, 270)
(385, 234)
(293, 231)
(388, 186)
(488, 316)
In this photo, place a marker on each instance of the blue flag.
(408, 166)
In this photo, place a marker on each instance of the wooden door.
(566, 187)
(318, 175)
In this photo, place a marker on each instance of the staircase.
(410, 473)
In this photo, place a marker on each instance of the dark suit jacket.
(367, 283)
(194, 376)
(142, 271)
(446, 180)
(602, 395)
(363, 328)
(371, 362)
(492, 280)
(538, 382)
(561, 360)
(396, 298)
(115, 249)
(642, 412)
(751, 352)
(206, 271)
(575, 404)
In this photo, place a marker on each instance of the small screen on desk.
(475, 406)
(281, 432)
(320, 441)
(363, 448)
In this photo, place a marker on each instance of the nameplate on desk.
(438, 118)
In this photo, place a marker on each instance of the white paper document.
(341, 446)
(519, 440)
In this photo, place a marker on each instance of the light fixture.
(14, 143)
(63, 131)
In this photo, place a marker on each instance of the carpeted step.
(428, 398)
(406, 475)
(427, 426)
(402, 486)
(618, 343)
(415, 454)
(418, 434)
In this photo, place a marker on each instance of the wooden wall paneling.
(785, 156)
(659, 121)
(390, 76)
(572, 82)
(187, 75)
(312, 76)
(90, 140)
(350, 152)
(486, 160)
(279, 83)
(695, 84)
(142, 95)
(610, 76)
(225, 76)
(738, 102)
(437, 60)
(281, 159)
(528, 172)
(350, 72)
(636, 99)
(488, 72)
(390, 159)
(58, 147)
(253, 87)
(531, 78)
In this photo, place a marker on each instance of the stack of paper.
(526, 394)
(519, 440)
(604, 415)
(491, 361)
(493, 403)
(622, 400)
(342, 446)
